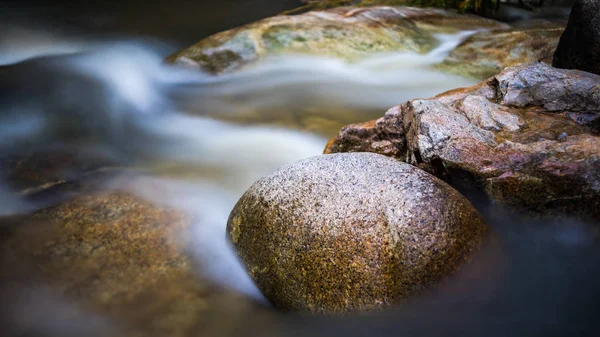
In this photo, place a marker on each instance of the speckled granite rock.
(527, 137)
(579, 46)
(121, 258)
(344, 232)
(486, 53)
(344, 32)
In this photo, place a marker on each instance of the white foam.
(122, 98)
(293, 81)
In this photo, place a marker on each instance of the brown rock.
(347, 32)
(486, 53)
(366, 137)
(527, 137)
(118, 257)
(344, 232)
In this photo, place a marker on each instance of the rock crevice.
(528, 138)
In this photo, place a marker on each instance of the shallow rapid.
(205, 139)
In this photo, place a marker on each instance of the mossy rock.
(349, 33)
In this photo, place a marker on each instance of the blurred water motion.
(196, 142)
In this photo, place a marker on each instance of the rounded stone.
(351, 232)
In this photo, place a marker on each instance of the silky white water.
(119, 100)
(204, 139)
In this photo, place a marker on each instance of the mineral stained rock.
(486, 53)
(346, 32)
(119, 257)
(527, 137)
(351, 232)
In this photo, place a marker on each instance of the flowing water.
(205, 139)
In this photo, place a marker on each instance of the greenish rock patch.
(348, 33)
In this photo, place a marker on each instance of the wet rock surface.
(486, 53)
(367, 137)
(116, 256)
(345, 32)
(350, 33)
(579, 46)
(528, 138)
(351, 232)
(35, 172)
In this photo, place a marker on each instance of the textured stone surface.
(121, 258)
(344, 232)
(527, 137)
(373, 136)
(486, 53)
(345, 32)
(579, 46)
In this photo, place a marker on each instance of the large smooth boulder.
(351, 232)
(527, 137)
(352, 33)
(579, 46)
(346, 32)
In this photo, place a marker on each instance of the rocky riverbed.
(522, 136)
(119, 173)
(351, 33)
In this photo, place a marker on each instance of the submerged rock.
(119, 257)
(345, 232)
(346, 32)
(579, 46)
(351, 33)
(528, 138)
(38, 171)
(484, 54)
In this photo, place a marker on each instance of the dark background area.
(181, 22)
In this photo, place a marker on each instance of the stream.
(205, 139)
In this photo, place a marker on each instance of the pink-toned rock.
(527, 137)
